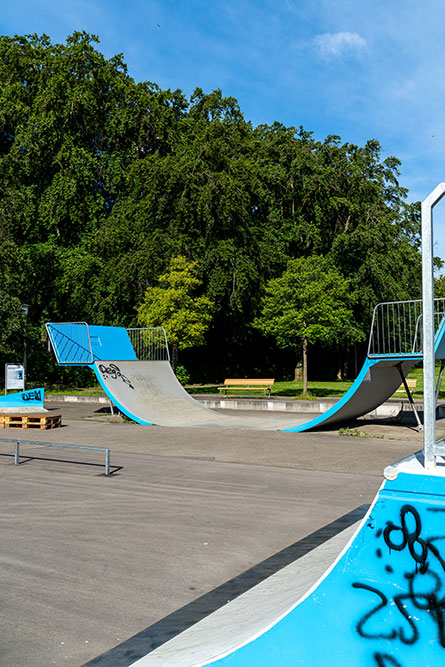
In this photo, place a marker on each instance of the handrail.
(395, 328)
(149, 343)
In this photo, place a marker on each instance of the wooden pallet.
(30, 421)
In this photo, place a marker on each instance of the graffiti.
(35, 395)
(113, 372)
(417, 593)
(386, 660)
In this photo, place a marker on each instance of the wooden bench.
(412, 384)
(247, 385)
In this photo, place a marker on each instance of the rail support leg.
(439, 379)
(16, 453)
(410, 398)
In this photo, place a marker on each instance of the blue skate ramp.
(381, 603)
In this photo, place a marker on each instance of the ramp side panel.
(119, 390)
(378, 606)
(111, 343)
(377, 381)
(79, 344)
(34, 398)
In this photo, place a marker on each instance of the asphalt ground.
(93, 565)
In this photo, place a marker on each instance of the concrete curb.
(66, 398)
(388, 409)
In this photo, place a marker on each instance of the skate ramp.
(381, 603)
(149, 393)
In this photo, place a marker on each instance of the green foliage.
(172, 305)
(11, 330)
(106, 179)
(182, 374)
(309, 301)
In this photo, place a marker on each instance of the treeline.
(105, 180)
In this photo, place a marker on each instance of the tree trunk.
(298, 372)
(340, 367)
(174, 359)
(304, 366)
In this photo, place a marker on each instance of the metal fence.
(396, 327)
(71, 342)
(150, 344)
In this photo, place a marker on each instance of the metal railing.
(396, 327)
(71, 342)
(149, 344)
(57, 444)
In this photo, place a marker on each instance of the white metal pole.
(429, 403)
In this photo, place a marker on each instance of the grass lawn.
(316, 389)
(320, 389)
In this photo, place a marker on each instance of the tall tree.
(309, 303)
(105, 179)
(174, 305)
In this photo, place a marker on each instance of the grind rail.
(57, 444)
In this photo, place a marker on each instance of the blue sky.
(361, 69)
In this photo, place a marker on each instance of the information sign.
(14, 376)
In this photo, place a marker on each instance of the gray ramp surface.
(149, 393)
(376, 382)
(249, 615)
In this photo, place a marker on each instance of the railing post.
(17, 453)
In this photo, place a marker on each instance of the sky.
(360, 69)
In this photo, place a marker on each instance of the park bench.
(245, 384)
(412, 384)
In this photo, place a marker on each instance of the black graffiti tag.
(32, 396)
(425, 586)
(112, 371)
(386, 660)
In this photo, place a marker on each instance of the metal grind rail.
(58, 444)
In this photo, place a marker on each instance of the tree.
(173, 305)
(104, 179)
(311, 302)
(12, 329)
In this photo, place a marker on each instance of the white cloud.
(335, 45)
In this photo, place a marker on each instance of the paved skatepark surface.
(88, 562)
